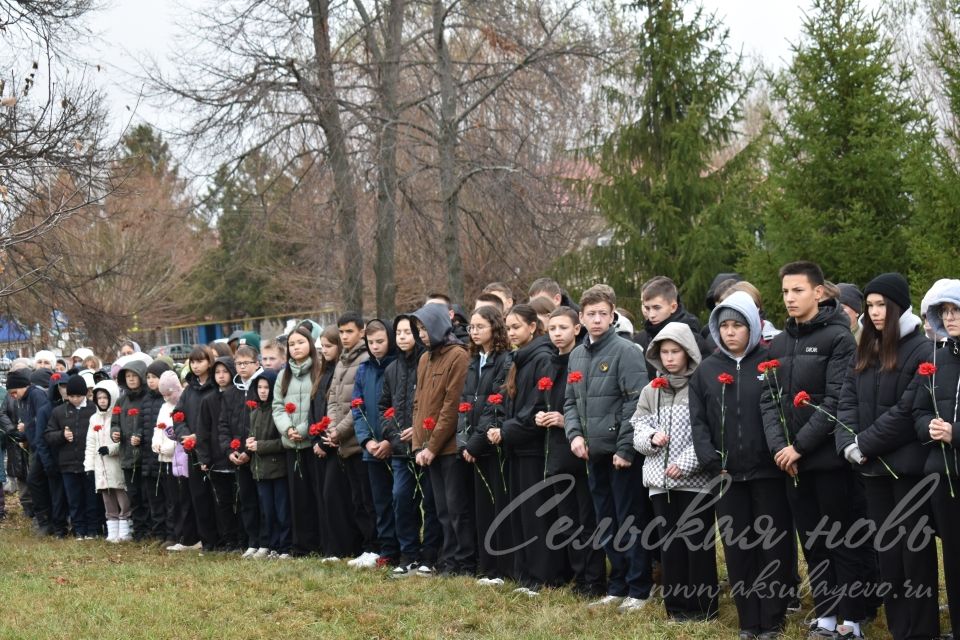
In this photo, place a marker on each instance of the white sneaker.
(262, 552)
(491, 582)
(195, 547)
(249, 552)
(333, 559)
(526, 592)
(605, 601)
(424, 571)
(631, 604)
(283, 556)
(366, 560)
(176, 547)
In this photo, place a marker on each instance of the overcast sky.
(132, 29)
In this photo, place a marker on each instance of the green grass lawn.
(77, 590)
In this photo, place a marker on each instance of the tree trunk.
(328, 113)
(447, 146)
(389, 65)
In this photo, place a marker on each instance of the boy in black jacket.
(152, 489)
(814, 351)
(66, 435)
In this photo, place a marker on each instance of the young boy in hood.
(212, 456)
(152, 488)
(377, 451)
(233, 429)
(126, 430)
(395, 408)
(440, 378)
(66, 435)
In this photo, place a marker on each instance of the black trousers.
(760, 573)
(587, 564)
(181, 524)
(201, 495)
(946, 513)
(227, 507)
(490, 498)
(251, 536)
(139, 508)
(538, 563)
(361, 500)
(153, 491)
(341, 537)
(688, 566)
(305, 525)
(452, 492)
(839, 573)
(49, 500)
(910, 605)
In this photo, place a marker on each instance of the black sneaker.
(404, 570)
(817, 632)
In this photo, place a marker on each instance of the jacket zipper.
(739, 421)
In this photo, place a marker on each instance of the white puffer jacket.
(106, 468)
(163, 444)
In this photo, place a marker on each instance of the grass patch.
(73, 590)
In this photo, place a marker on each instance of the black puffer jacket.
(650, 331)
(318, 405)
(878, 406)
(559, 457)
(209, 450)
(478, 387)
(520, 434)
(814, 357)
(234, 420)
(149, 410)
(126, 421)
(69, 455)
(189, 404)
(744, 440)
(946, 385)
(399, 386)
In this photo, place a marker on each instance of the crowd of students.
(538, 442)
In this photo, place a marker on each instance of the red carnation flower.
(189, 444)
(179, 416)
(762, 367)
(251, 404)
(544, 384)
(133, 412)
(927, 369)
(465, 407)
(161, 425)
(429, 424)
(117, 411)
(356, 403)
(289, 407)
(235, 444)
(725, 378)
(55, 377)
(574, 377)
(325, 423)
(660, 383)
(315, 429)
(495, 398)
(389, 413)
(98, 427)
(801, 399)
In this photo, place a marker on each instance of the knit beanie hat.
(76, 386)
(157, 367)
(18, 379)
(890, 285)
(41, 378)
(851, 296)
(729, 313)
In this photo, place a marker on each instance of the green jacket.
(298, 394)
(269, 460)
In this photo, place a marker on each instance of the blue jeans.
(409, 518)
(621, 501)
(82, 499)
(381, 486)
(274, 498)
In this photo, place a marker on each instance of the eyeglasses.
(244, 363)
(477, 328)
(952, 312)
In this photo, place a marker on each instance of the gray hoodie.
(741, 302)
(435, 317)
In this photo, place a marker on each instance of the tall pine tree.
(845, 133)
(670, 208)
